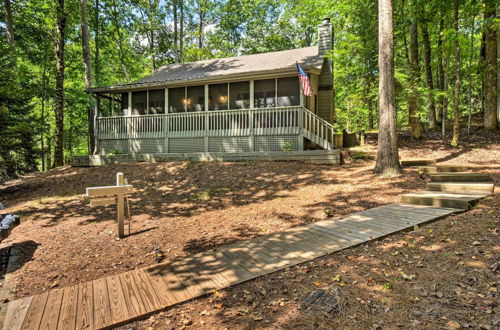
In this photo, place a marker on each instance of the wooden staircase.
(450, 186)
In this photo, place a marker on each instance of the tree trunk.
(59, 99)
(415, 80)
(387, 153)
(490, 67)
(97, 67)
(440, 80)
(176, 49)
(87, 68)
(431, 111)
(151, 19)
(201, 22)
(181, 32)
(456, 98)
(120, 41)
(9, 22)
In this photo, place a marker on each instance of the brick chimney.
(326, 93)
(325, 36)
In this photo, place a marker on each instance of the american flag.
(305, 82)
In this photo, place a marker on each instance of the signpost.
(111, 195)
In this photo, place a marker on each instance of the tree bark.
(490, 67)
(9, 22)
(59, 98)
(87, 68)
(440, 80)
(97, 67)
(415, 80)
(176, 49)
(120, 41)
(181, 31)
(456, 98)
(201, 14)
(387, 153)
(431, 110)
(151, 19)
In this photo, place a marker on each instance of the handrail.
(239, 122)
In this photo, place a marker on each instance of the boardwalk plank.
(52, 310)
(147, 292)
(67, 317)
(118, 306)
(85, 308)
(163, 293)
(102, 304)
(35, 311)
(135, 305)
(16, 312)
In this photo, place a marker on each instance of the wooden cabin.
(238, 104)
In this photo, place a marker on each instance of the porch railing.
(268, 121)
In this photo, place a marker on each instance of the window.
(124, 104)
(139, 103)
(195, 100)
(239, 95)
(176, 99)
(156, 101)
(217, 97)
(288, 92)
(265, 93)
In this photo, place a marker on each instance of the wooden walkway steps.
(118, 299)
(418, 162)
(461, 187)
(460, 201)
(460, 177)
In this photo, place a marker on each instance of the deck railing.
(268, 121)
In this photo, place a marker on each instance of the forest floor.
(451, 266)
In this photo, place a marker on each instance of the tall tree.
(456, 98)
(387, 154)
(87, 68)
(9, 22)
(59, 98)
(490, 66)
(181, 31)
(431, 110)
(176, 32)
(415, 80)
(440, 73)
(121, 53)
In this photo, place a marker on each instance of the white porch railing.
(269, 121)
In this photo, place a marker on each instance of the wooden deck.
(121, 298)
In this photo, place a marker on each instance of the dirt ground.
(184, 208)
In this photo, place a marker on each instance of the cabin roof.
(230, 67)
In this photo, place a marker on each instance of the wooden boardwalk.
(118, 299)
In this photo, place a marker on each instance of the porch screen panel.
(156, 101)
(124, 104)
(288, 92)
(265, 93)
(139, 103)
(239, 95)
(195, 98)
(176, 99)
(217, 97)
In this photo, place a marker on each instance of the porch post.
(129, 126)
(251, 138)
(96, 128)
(165, 122)
(129, 110)
(301, 127)
(205, 138)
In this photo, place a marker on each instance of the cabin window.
(239, 95)
(265, 93)
(156, 101)
(139, 100)
(288, 92)
(217, 97)
(176, 98)
(124, 104)
(195, 98)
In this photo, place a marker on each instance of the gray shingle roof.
(308, 57)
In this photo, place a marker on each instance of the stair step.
(418, 162)
(446, 168)
(461, 187)
(459, 201)
(459, 177)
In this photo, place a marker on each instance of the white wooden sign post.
(111, 195)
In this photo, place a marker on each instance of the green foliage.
(140, 34)
(287, 146)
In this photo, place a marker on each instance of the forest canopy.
(104, 42)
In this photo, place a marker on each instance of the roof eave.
(211, 79)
